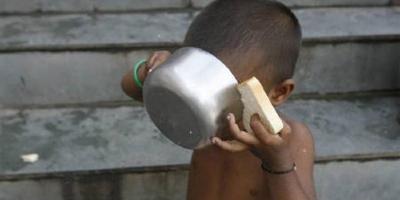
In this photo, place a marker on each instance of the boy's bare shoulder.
(298, 126)
(300, 131)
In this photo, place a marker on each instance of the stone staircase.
(60, 68)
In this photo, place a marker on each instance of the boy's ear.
(281, 92)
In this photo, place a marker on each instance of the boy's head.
(253, 38)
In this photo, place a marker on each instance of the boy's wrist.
(277, 161)
(142, 72)
(276, 171)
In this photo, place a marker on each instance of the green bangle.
(136, 74)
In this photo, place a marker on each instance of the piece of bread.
(255, 100)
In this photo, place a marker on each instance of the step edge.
(369, 157)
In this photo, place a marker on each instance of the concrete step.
(84, 31)
(69, 139)
(335, 181)
(316, 3)
(43, 6)
(41, 78)
(60, 6)
(345, 50)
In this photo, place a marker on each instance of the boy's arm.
(301, 181)
(278, 152)
(128, 84)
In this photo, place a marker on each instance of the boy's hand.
(156, 59)
(272, 149)
(128, 84)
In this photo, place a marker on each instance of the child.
(253, 38)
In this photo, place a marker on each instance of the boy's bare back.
(218, 174)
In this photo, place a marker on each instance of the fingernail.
(255, 117)
(229, 116)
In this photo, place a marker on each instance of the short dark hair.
(237, 26)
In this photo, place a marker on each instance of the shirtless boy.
(253, 38)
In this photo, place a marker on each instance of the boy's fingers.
(152, 58)
(260, 131)
(285, 132)
(238, 134)
(157, 58)
(230, 145)
(157, 62)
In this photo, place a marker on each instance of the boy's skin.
(230, 169)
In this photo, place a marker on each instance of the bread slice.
(255, 100)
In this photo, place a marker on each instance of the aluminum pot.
(189, 95)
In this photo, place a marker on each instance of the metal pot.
(189, 95)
